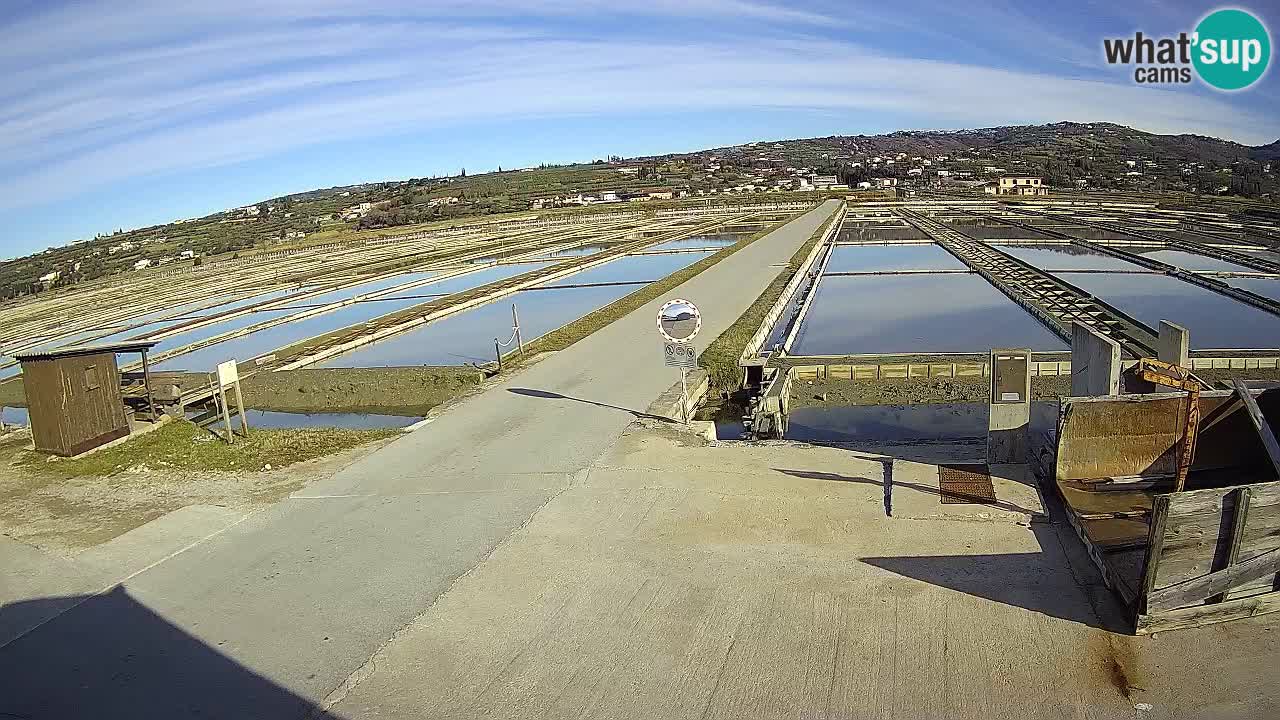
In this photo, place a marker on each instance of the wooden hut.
(74, 396)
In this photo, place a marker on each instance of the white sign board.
(680, 355)
(228, 373)
(679, 321)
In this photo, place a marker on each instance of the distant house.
(187, 254)
(142, 264)
(823, 182)
(864, 185)
(885, 182)
(1016, 185)
(915, 172)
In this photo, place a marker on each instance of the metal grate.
(966, 485)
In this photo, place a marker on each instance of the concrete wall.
(1174, 344)
(1095, 363)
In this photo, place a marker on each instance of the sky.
(118, 114)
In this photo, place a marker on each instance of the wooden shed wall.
(74, 402)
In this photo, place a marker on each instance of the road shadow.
(1038, 581)
(889, 485)
(548, 395)
(110, 656)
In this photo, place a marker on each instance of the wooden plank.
(1259, 423)
(1197, 535)
(1206, 614)
(1239, 516)
(1155, 547)
(1198, 589)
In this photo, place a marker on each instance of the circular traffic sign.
(679, 320)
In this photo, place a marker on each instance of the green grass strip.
(181, 445)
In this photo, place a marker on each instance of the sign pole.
(244, 422)
(678, 323)
(226, 414)
(684, 397)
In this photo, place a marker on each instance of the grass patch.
(721, 357)
(181, 445)
(593, 321)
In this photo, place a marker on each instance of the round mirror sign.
(679, 320)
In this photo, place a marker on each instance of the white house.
(141, 264)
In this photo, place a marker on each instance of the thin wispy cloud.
(95, 93)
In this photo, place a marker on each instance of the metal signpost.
(679, 322)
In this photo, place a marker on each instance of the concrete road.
(269, 617)
(767, 581)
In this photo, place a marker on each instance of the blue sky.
(121, 115)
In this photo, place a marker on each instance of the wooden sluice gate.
(1176, 559)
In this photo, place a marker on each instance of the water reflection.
(1215, 321)
(467, 337)
(916, 313)
(1192, 261)
(265, 341)
(883, 258)
(903, 423)
(878, 234)
(698, 241)
(1066, 257)
(1266, 287)
(348, 421)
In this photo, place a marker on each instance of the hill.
(1067, 155)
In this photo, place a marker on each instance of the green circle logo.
(1232, 48)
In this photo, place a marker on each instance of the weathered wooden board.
(1198, 531)
(1196, 590)
(1139, 434)
(1205, 614)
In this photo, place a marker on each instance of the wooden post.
(497, 350)
(226, 414)
(515, 321)
(1187, 445)
(1155, 546)
(244, 422)
(1259, 424)
(146, 381)
(1239, 516)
